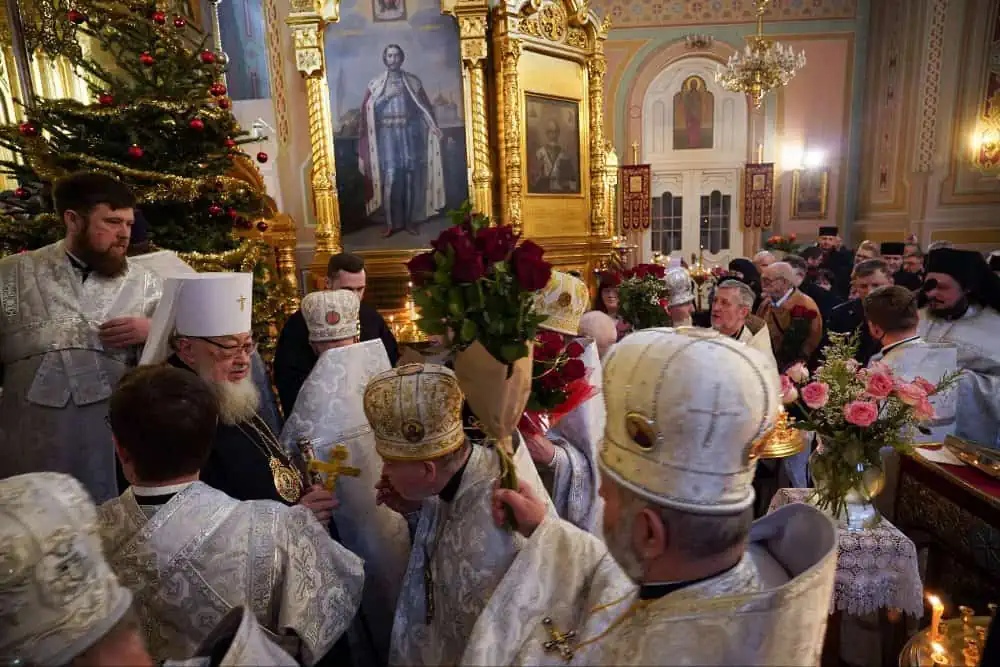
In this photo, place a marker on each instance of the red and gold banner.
(758, 197)
(636, 204)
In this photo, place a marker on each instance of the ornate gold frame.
(823, 195)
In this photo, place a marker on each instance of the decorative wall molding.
(931, 85)
(632, 14)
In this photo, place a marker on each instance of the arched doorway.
(694, 137)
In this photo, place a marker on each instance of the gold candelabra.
(783, 440)
(956, 642)
(405, 328)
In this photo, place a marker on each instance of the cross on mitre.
(335, 468)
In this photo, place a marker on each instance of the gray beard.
(238, 401)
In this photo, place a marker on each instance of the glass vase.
(846, 490)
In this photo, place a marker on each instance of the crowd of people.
(167, 514)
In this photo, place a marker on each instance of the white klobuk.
(329, 412)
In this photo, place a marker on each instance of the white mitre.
(680, 433)
(332, 315)
(58, 597)
(199, 305)
(680, 287)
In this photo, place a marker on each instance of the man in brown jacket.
(792, 318)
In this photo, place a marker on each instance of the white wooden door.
(693, 211)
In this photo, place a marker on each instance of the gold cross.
(243, 303)
(560, 640)
(335, 467)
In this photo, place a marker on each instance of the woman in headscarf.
(745, 271)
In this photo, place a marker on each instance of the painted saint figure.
(694, 115)
(400, 148)
(554, 170)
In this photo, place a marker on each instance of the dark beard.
(952, 313)
(105, 264)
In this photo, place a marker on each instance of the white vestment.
(759, 340)
(770, 609)
(329, 410)
(464, 554)
(57, 374)
(203, 553)
(241, 642)
(975, 334)
(577, 438)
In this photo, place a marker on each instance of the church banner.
(758, 198)
(636, 203)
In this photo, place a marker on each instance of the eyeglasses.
(228, 352)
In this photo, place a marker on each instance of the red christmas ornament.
(217, 89)
(230, 144)
(146, 59)
(262, 226)
(224, 103)
(197, 124)
(179, 22)
(215, 210)
(21, 193)
(207, 57)
(159, 18)
(75, 17)
(135, 152)
(262, 157)
(28, 129)
(106, 100)
(232, 213)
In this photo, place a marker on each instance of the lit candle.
(937, 611)
(937, 654)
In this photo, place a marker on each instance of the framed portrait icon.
(388, 10)
(552, 129)
(810, 188)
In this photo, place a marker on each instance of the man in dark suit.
(849, 317)
(294, 357)
(805, 271)
(836, 258)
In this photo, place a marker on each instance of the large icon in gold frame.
(553, 145)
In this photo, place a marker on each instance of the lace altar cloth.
(876, 567)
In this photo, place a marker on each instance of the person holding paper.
(74, 316)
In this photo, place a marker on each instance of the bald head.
(777, 279)
(764, 258)
(599, 326)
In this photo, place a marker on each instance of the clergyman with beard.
(203, 325)
(74, 316)
(963, 308)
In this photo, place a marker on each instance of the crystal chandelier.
(763, 65)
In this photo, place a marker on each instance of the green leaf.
(511, 352)
(468, 331)
(474, 296)
(456, 304)
(432, 327)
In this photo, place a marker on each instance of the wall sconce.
(794, 156)
(814, 159)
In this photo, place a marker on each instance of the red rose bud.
(573, 370)
(468, 267)
(532, 272)
(550, 344)
(574, 349)
(552, 381)
(450, 237)
(496, 243)
(422, 268)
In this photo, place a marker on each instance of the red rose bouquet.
(559, 383)
(642, 297)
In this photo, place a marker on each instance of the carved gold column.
(509, 123)
(598, 176)
(307, 22)
(471, 17)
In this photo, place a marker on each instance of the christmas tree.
(160, 121)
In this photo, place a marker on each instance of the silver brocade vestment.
(329, 410)
(58, 375)
(241, 642)
(770, 609)
(204, 553)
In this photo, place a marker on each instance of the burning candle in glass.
(937, 611)
(938, 654)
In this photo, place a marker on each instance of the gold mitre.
(688, 410)
(415, 412)
(563, 301)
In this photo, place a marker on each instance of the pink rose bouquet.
(856, 412)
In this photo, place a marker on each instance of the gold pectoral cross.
(243, 303)
(560, 641)
(335, 468)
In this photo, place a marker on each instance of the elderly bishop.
(695, 582)
(74, 315)
(443, 485)
(329, 417)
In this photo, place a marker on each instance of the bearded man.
(836, 258)
(74, 316)
(963, 308)
(686, 575)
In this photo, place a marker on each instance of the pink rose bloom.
(816, 394)
(788, 391)
(861, 413)
(880, 367)
(880, 385)
(924, 411)
(928, 386)
(798, 373)
(911, 394)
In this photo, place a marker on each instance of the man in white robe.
(190, 553)
(74, 315)
(443, 485)
(963, 308)
(566, 455)
(329, 415)
(698, 582)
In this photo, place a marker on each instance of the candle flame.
(937, 648)
(935, 601)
